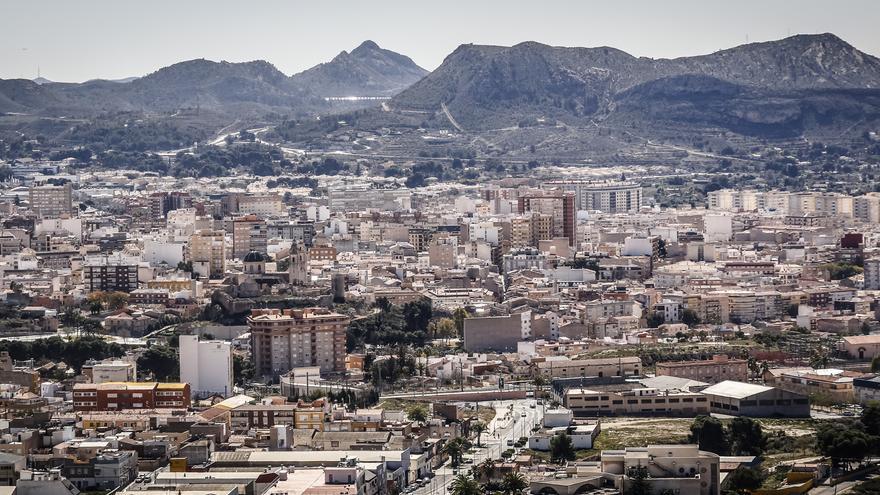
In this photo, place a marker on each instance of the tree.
(458, 316)
(655, 320)
(242, 369)
(709, 434)
(95, 307)
(637, 482)
(689, 317)
(875, 364)
(417, 314)
(513, 483)
(746, 437)
(478, 428)
(465, 485)
(843, 443)
(455, 449)
(871, 418)
(561, 449)
(418, 413)
(161, 361)
(744, 479)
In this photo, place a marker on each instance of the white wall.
(206, 366)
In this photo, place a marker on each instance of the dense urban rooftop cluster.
(355, 334)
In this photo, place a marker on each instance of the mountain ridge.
(251, 87)
(486, 86)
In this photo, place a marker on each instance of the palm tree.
(540, 381)
(465, 485)
(478, 428)
(483, 471)
(455, 449)
(514, 483)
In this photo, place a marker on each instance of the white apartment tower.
(206, 366)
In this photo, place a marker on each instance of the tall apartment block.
(207, 252)
(556, 209)
(607, 197)
(51, 201)
(113, 272)
(291, 338)
(249, 233)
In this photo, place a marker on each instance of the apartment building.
(111, 371)
(116, 396)
(249, 233)
(262, 205)
(606, 308)
(51, 201)
(607, 197)
(207, 252)
(110, 272)
(163, 202)
(717, 369)
(285, 339)
(555, 214)
(497, 333)
(249, 416)
(206, 365)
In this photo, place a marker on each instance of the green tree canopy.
(709, 434)
(561, 448)
(161, 361)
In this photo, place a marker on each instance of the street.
(508, 424)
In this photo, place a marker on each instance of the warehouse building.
(749, 399)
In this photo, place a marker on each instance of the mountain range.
(800, 85)
(775, 88)
(234, 88)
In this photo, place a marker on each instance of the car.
(510, 443)
(532, 405)
(523, 414)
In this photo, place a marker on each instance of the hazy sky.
(76, 40)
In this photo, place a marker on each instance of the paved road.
(508, 424)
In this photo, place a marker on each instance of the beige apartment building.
(249, 233)
(568, 368)
(292, 338)
(207, 252)
(51, 201)
(584, 402)
(715, 370)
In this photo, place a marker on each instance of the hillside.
(236, 89)
(780, 87)
(368, 70)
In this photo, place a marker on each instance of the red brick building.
(115, 396)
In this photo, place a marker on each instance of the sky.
(78, 40)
